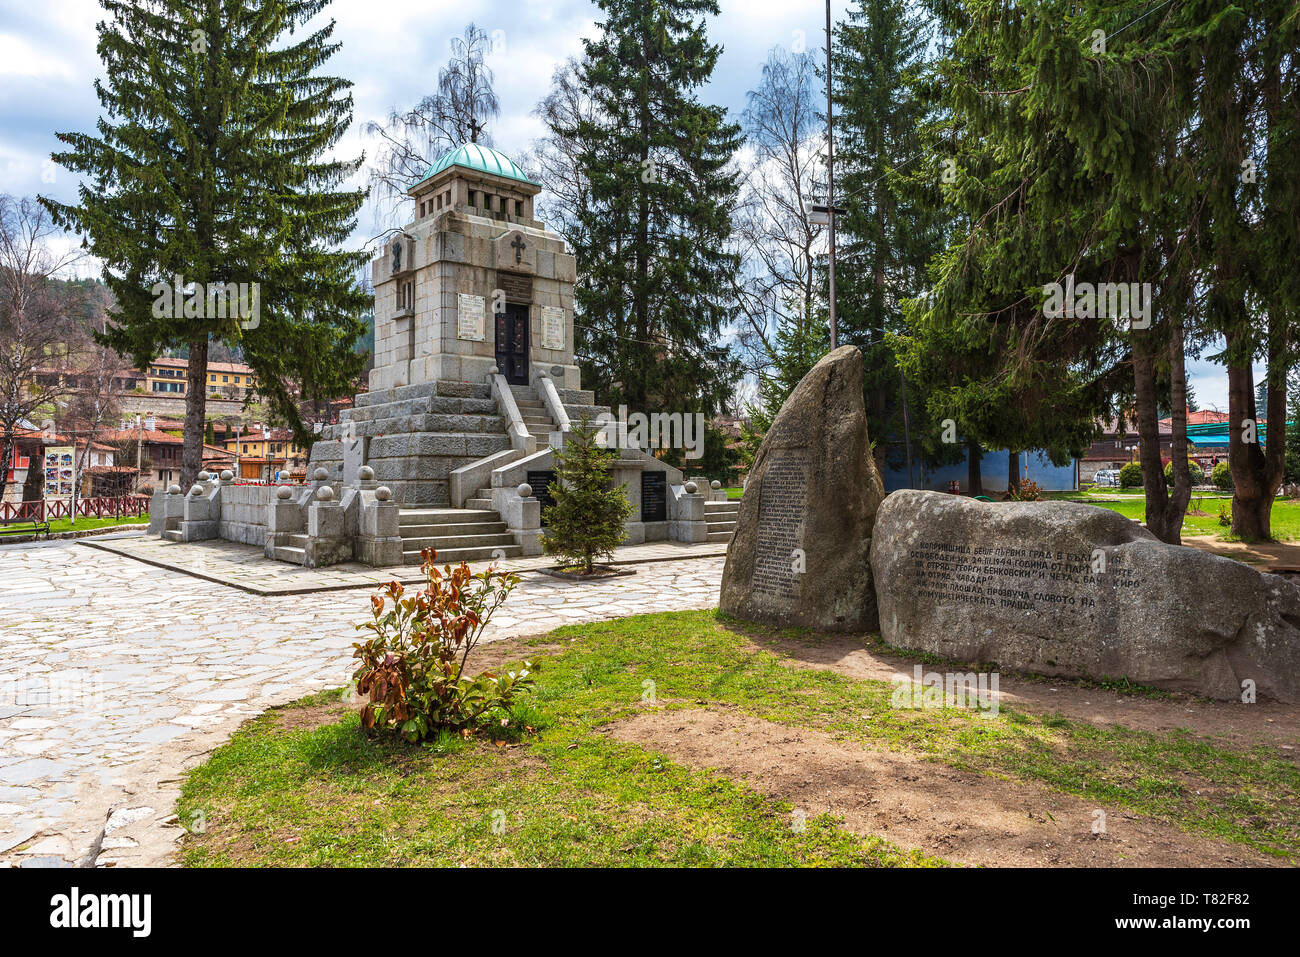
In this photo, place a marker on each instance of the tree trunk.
(974, 476)
(1256, 472)
(196, 404)
(1013, 471)
(1176, 510)
(7, 454)
(1158, 516)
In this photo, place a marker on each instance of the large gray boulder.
(801, 550)
(1073, 589)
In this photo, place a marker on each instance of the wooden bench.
(28, 528)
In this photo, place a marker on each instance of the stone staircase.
(295, 551)
(721, 518)
(473, 533)
(533, 410)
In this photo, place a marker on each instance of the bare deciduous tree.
(34, 335)
(778, 286)
(457, 113)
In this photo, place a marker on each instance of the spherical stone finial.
(284, 493)
(715, 485)
(691, 488)
(366, 474)
(325, 494)
(383, 493)
(525, 490)
(196, 490)
(174, 490)
(227, 475)
(204, 475)
(494, 371)
(321, 474)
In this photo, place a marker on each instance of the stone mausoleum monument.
(474, 384)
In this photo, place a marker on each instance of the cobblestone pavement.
(116, 675)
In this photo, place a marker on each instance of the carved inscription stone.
(800, 554)
(1072, 589)
(552, 327)
(781, 512)
(470, 318)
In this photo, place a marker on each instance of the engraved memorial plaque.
(470, 318)
(654, 497)
(552, 327)
(516, 287)
(541, 483)
(781, 507)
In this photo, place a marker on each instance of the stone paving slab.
(116, 676)
(246, 567)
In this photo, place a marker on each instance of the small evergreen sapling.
(587, 518)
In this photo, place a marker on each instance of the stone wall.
(244, 510)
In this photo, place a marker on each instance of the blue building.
(1035, 466)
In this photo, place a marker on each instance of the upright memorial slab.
(1073, 589)
(801, 550)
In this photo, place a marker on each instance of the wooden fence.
(43, 510)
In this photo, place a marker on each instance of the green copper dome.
(482, 159)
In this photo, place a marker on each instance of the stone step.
(731, 505)
(173, 535)
(719, 536)
(441, 542)
(480, 504)
(473, 554)
(446, 516)
(539, 419)
(297, 541)
(287, 553)
(727, 527)
(452, 531)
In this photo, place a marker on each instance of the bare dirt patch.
(1236, 725)
(1263, 555)
(961, 816)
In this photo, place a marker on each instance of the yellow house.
(226, 380)
(274, 446)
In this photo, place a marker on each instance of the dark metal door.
(512, 343)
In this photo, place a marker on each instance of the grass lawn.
(735, 493)
(303, 785)
(83, 523)
(1285, 518)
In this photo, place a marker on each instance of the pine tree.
(586, 521)
(655, 273)
(209, 164)
(893, 225)
(1056, 149)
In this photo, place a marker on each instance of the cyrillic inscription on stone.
(471, 318)
(517, 288)
(1017, 578)
(781, 514)
(552, 328)
(654, 497)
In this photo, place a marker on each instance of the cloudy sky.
(391, 50)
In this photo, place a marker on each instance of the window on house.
(447, 197)
(519, 207)
(439, 203)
